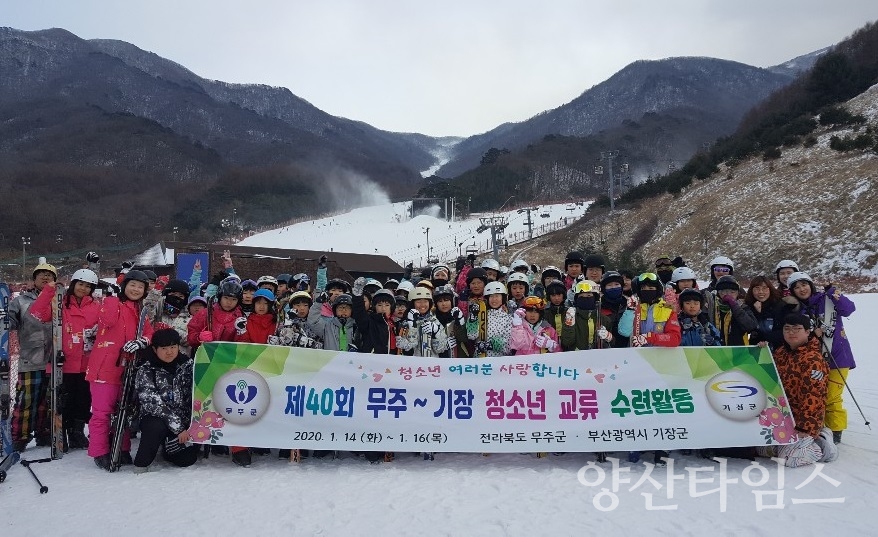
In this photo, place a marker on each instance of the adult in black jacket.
(164, 391)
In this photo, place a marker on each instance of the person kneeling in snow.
(164, 391)
(804, 373)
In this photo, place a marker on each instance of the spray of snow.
(349, 189)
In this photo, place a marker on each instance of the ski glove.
(273, 340)
(730, 300)
(135, 345)
(88, 338)
(403, 343)
(359, 285)
(545, 342)
(304, 341)
(604, 334)
(452, 342)
(241, 325)
(497, 344)
(482, 347)
(474, 311)
(570, 317)
(516, 320)
(92, 257)
(206, 336)
(639, 341)
(458, 316)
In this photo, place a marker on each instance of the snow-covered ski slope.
(388, 230)
(463, 493)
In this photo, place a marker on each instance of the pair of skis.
(7, 381)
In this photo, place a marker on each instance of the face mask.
(585, 303)
(613, 295)
(649, 296)
(173, 304)
(665, 275)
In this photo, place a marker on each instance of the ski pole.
(845, 382)
(43, 488)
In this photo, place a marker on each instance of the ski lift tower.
(496, 224)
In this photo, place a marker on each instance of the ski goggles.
(722, 269)
(586, 287)
(534, 303)
(648, 277)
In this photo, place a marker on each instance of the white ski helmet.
(85, 275)
(491, 264)
(495, 288)
(520, 278)
(683, 273)
(553, 272)
(519, 264)
(404, 286)
(721, 260)
(786, 263)
(798, 276)
(267, 279)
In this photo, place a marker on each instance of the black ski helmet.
(574, 257)
(477, 273)
(176, 286)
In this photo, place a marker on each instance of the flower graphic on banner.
(206, 423)
(777, 422)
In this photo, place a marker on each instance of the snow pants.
(154, 433)
(104, 402)
(836, 417)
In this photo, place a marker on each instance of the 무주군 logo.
(241, 396)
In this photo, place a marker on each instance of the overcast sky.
(447, 67)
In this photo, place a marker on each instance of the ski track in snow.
(387, 229)
(457, 494)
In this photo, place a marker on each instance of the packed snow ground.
(387, 229)
(457, 494)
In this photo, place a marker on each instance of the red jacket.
(223, 325)
(76, 317)
(117, 324)
(259, 327)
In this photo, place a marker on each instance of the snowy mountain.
(246, 124)
(712, 91)
(814, 204)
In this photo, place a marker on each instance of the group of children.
(473, 311)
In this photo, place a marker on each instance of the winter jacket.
(259, 327)
(658, 322)
(804, 374)
(498, 333)
(180, 323)
(453, 328)
(76, 317)
(223, 323)
(34, 336)
(766, 319)
(117, 324)
(614, 312)
(733, 322)
(582, 335)
(331, 329)
(524, 335)
(425, 335)
(554, 315)
(815, 308)
(164, 390)
(699, 332)
(377, 332)
(293, 326)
